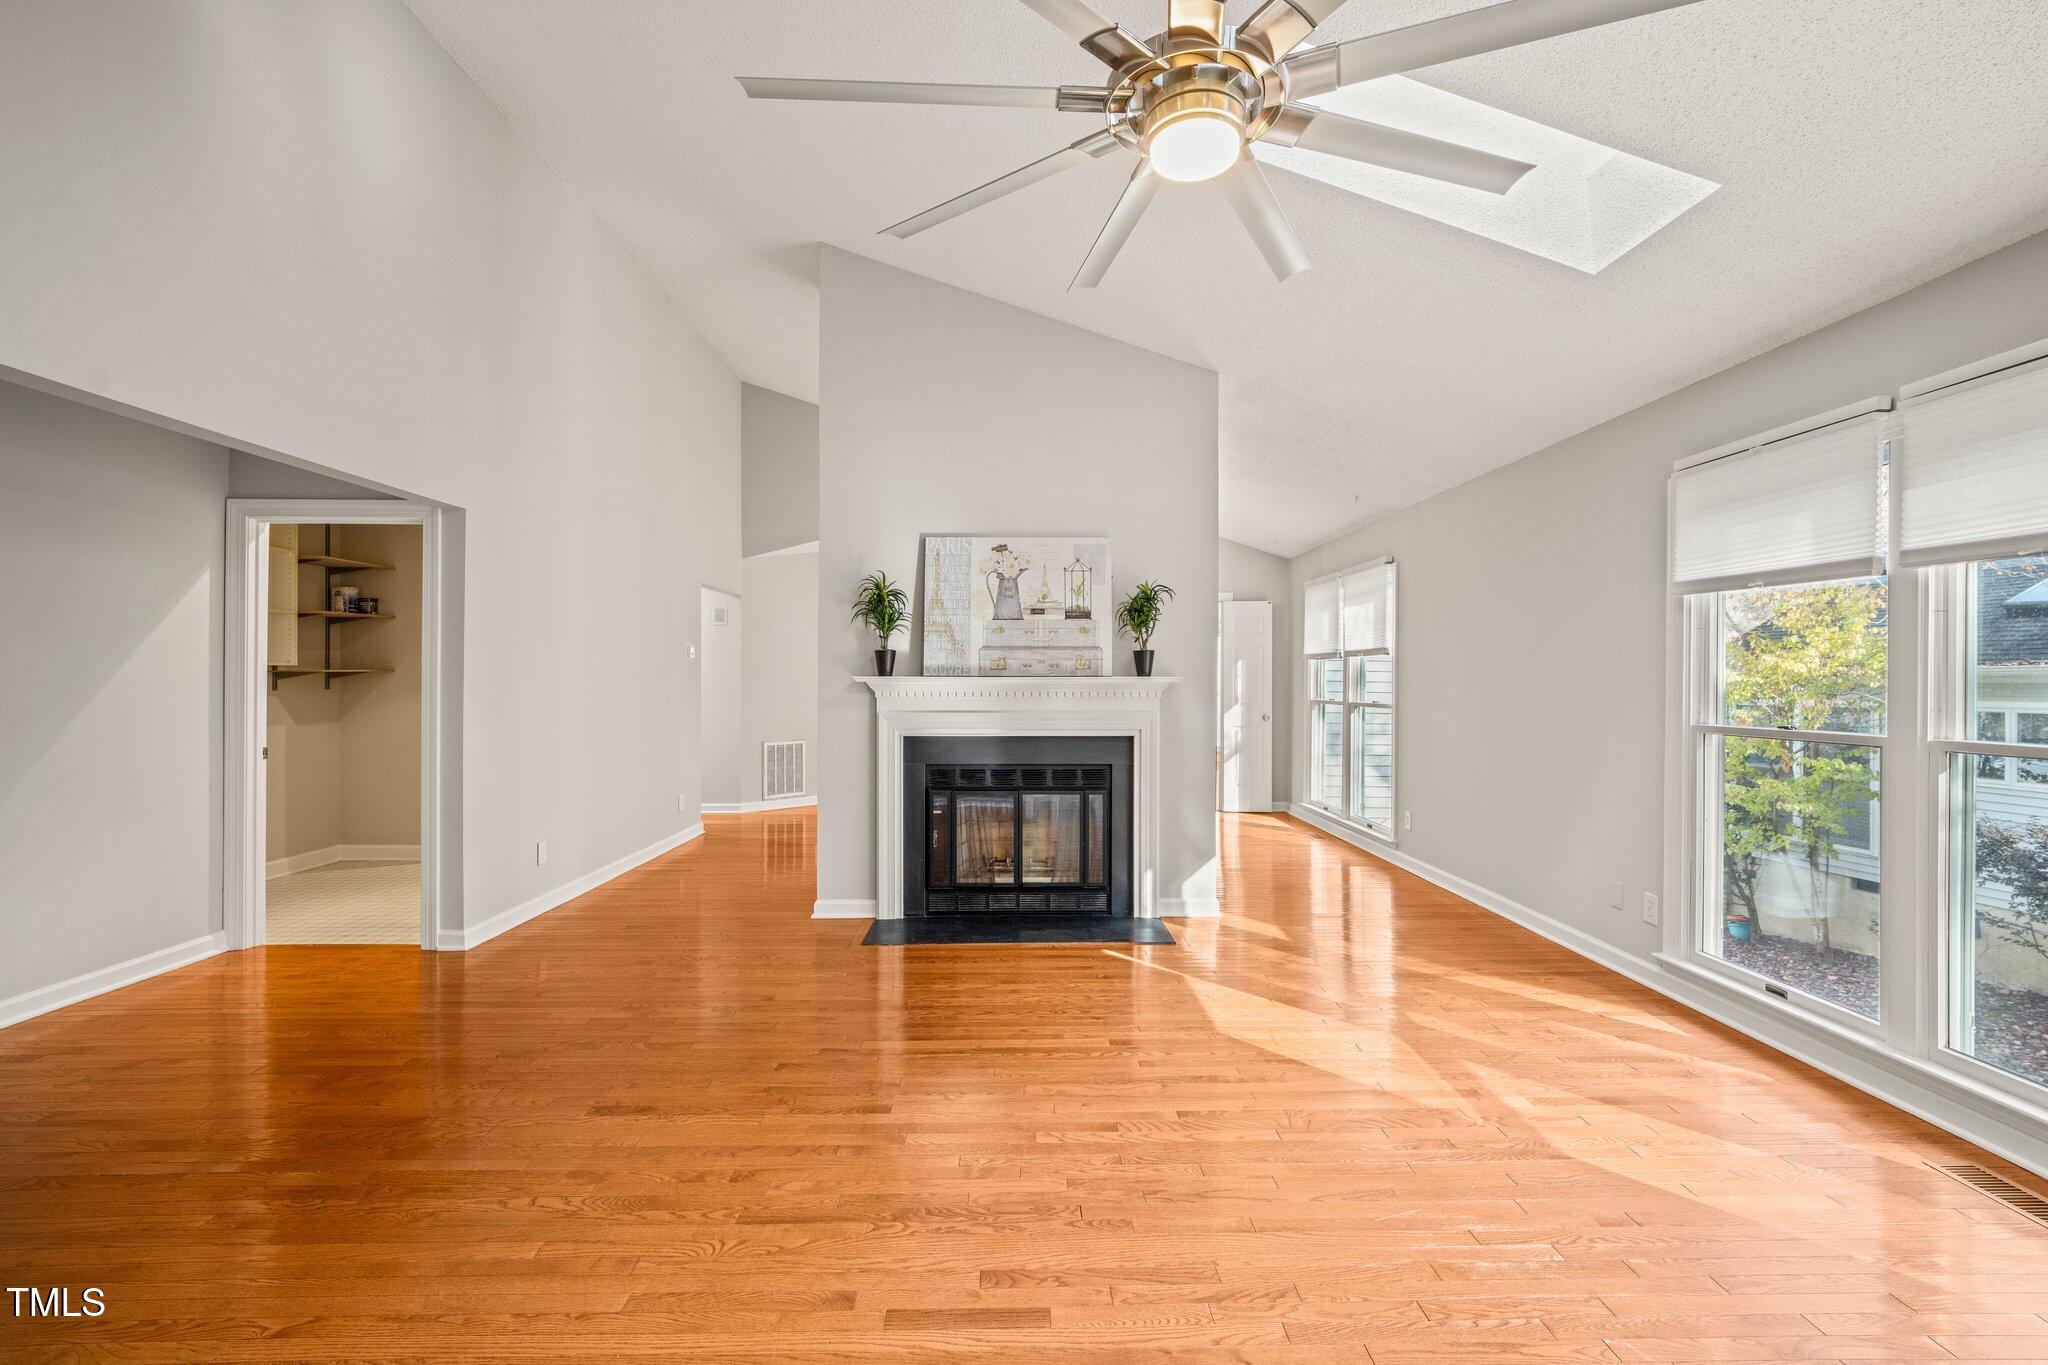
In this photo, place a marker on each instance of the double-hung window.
(1974, 523)
(1776, 555)
(1859, 805)
(1348, 644)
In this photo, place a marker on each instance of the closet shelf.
(340, 565)
(351, 615)
(284, 671)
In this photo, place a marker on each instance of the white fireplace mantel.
(906, 706)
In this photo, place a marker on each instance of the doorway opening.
(334, 725)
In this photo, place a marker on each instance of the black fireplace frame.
(1022, 753)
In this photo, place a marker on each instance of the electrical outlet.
(682, 802)
(693, 651)
(1653, 913)
(1408, 820)
(540, 854)
(1616, 895)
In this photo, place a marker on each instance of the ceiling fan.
(1195, 100)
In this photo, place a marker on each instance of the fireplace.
(1034, 824)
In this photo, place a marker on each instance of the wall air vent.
(782, 769)
(2019, 1199)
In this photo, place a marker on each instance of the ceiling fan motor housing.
(1206, 89)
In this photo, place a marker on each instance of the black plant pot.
(885, 662)
(1141, 659)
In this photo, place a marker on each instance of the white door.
(1247, 692)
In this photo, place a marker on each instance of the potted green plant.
(1138, 616)
(882, 606)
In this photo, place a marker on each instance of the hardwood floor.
(1356, 1119)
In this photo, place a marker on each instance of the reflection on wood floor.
(1355, 1119)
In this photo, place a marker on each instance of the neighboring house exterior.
(2012, 687)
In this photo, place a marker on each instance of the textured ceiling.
(1862, 146)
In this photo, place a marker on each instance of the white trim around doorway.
(244, 868)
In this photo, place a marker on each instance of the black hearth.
(1017, 824)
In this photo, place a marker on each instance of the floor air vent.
(782, 769)
(2017, 1198)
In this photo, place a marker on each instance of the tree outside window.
(1804, 658)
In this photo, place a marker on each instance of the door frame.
(246, 632)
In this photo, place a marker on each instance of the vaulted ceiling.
(1860, 146)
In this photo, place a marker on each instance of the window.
(1997, 808)
(1776, 557)
(1859, 803)
(1348, 638)
(1790, 855)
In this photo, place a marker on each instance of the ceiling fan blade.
(1137, 197)
(1252, 199)
(1098, 36)
(1088, 148)
(1488, 29)
(1195, 19)
(1073, 98)
(1277, 27)
(1334, 134)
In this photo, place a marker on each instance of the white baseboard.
(29, 1004)
(1175, 907)
(1974, 1113)
(843, 909)
(750, 807)
(340, 853)
(301, 862)
(380, 853)
(460, 940)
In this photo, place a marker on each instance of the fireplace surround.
(1060, 709)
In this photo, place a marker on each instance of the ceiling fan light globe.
(1195, 146)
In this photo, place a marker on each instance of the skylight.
(1585, 205)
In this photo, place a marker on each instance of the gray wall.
(1031, 427)
(719, 664)
(252, 476)
(1530, 729)
(302, 228)
(1250, 575)
(110, 804)
(780, 649)
(779, 482)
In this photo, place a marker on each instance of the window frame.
(1351, 708)
(1696, 910)
(1949, 590)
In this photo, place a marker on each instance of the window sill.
(1343, 825)
(1745, 984)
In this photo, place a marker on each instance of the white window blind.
(1367, 596)
(1797, 510)
(1973, 469)
(1320, 629)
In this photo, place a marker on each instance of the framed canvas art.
(1016, 606)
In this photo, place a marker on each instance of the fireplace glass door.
(985, 841)
(1052, 838)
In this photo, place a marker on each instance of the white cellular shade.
(1349, 613)
(1798, 510)
(1367, 596)
(1973, 469)
(1319, 625)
